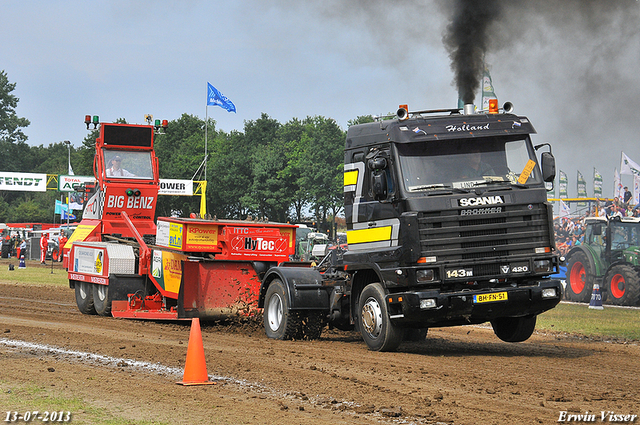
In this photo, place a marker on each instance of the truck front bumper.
(432, 308)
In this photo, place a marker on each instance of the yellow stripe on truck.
(374, 234)
(350, 177)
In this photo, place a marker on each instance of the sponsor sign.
(169, 234)
(175, 187)
(167, 270)
(23, 182)
(89, 260)
(80, 234)
(93, 209)
(258, 241)
(201, 235)
(67, 183)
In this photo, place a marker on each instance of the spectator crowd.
(569, 231)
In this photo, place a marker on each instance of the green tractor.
(610, 257)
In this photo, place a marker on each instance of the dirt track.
(461, 375)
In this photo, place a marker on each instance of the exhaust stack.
(469, 109)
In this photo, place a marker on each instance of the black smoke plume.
(467, 38)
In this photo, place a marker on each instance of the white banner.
(636, 190)
(176, 187)
(617, 185)
(24, 182)
(66, 183)
(628, 166)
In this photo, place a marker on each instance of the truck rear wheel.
(377, 330)
(84, 297)
(623, 285)
(514, 329)
(279, 321)
(312, 324)
(580, 278)
(102, 299)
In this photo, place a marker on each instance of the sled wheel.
(84, 297)
(102, 300)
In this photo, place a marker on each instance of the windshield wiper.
(488, 182)
(444, 188)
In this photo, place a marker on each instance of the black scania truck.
(447, 224)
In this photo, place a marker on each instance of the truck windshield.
(467, 163)
(127, 164)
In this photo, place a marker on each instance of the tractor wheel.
(279, 321)
(84, 297)
(102, 299)
(579, 279)
(623, 285)
(374, 324)
(514, 329)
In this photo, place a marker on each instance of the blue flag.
(215, 98)
(60, 207)
(66, 215)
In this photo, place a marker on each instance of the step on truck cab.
(447, 224)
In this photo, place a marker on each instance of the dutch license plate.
(488, 298)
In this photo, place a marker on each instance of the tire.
(312, 325)
(377, 330)
(102, 299)
(415, 334)
(514, 329)
(579, 278)
(84, 297)
(622, 284)
(279, 321)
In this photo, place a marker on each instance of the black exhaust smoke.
(467, 38)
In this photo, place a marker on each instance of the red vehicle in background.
(123, 263)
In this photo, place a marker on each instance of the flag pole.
(206, 124)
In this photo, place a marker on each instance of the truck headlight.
(549, 293)
(425, 275)
(428, 303)
(541, 266)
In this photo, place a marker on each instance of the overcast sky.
(574, 71)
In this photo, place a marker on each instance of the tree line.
(269, 171)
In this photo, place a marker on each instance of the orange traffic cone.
(195, 368)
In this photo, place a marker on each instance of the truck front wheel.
(623, 285)
(377, 330)
(580, 282)
(84, 297)
(279, 321)
(514, 329)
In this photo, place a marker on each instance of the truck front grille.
(459, 240)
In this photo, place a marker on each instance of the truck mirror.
(378, 163)
(379, 186)
(548, 166)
